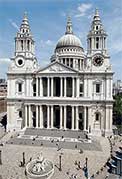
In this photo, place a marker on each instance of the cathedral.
(74, 92)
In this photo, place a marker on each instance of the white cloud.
(14, 24)
(47, 43)
(4, 60)
(82, 8)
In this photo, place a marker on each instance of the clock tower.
(24, 57)
(98, 58)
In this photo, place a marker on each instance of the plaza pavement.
(12, 155)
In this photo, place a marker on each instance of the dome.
(69, 40)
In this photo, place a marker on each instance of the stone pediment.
(56, 67)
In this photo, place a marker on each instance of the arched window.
(20, 113)
(97, 116)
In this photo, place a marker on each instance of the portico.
(57, 86)
(56, 116)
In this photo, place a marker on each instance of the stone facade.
(73, 92)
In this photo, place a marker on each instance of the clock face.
(98, 61)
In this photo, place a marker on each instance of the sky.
(47, 20)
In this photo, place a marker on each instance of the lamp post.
(23, 158)
(60, 161)
(60, 169)
(0, 158)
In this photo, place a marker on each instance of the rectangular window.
(19, 87)
(97, 88)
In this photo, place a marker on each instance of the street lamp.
(60, 161)
(0, 158)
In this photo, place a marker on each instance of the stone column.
(26, 117)
(37, 116)
(84, 118)
(52, 117)
(48, 117)
(61, 87)
(107, 117)
(52, 86)
(64, 117)
(48, 86)
(77, 118)
(41, 87)
(41, 117)
(85, 87)
(65, 87)
(73, 87)
(30, 117)
(78, 87)
(90, 120)
(37, 86)
(110, 118)
(72, 117)
(60, 117)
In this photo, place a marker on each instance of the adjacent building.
(74, 92)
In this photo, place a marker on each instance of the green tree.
(117, 109)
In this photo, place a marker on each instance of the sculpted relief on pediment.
(56, 68)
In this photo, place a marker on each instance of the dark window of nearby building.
(97, 88)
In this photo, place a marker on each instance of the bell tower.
(96, 39)
(24, 55)
(97, 54)
(24, 43)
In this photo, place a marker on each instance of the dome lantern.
(69, 26)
